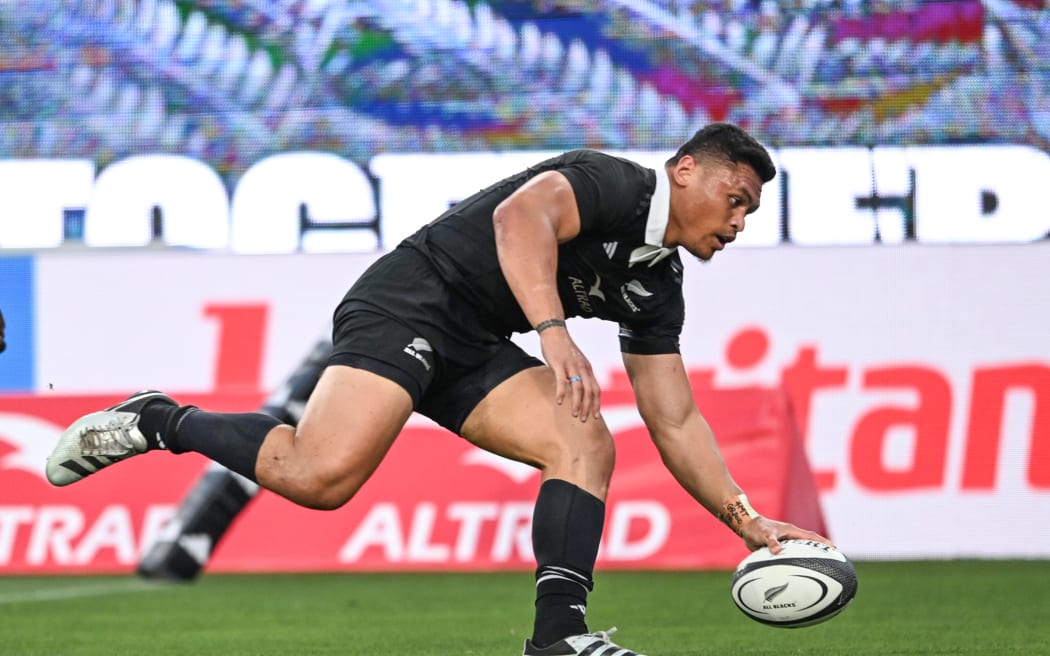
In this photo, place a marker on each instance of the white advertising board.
(321, 202)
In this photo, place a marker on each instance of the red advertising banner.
(917, 415)
(436, 502)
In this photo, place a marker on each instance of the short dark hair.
(728, 143)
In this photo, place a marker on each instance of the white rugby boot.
(99, 439)
(588, 644)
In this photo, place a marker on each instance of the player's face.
(709, 201)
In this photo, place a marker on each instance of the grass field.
(959, 607)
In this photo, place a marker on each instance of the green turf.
(902, 608)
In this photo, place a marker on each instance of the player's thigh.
(519, 419)
(352, 418)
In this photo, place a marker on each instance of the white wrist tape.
(747, 506)
(737, 512)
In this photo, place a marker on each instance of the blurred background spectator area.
(231, 81)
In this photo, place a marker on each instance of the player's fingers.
(583, 388)
(792, 532)
(597, 405)
(761, 532)
(591, 396)
(816, 537)
(576, 388)
(774, 544)
(561, 386)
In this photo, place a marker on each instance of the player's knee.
(327, 500)
(601, 451)
(322, 496)
(584, 456)
(330, 485)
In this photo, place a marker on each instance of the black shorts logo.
(420, 349)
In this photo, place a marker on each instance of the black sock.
(566, 530)
(230, 439)
(157, 422)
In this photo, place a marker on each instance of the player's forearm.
(691, 454)
(527, 247)
(681, 434)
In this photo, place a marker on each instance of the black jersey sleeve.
(609, 191)
(652, 338)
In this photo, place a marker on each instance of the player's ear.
(684, 169)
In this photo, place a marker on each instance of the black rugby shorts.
(402, 322)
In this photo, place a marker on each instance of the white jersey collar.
(656, 224)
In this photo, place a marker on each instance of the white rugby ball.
(806, 583)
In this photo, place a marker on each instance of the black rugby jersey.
(615, 269)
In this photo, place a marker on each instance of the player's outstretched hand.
(573, 375)
(763, 532)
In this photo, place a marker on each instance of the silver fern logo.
(417, 348)
(636, 288)
(773, 593)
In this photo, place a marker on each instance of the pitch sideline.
(79, 591)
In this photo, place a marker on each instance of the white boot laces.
(112, 439)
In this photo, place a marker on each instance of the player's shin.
(230, 439)
(566, 530)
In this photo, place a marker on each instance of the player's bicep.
(547, 197)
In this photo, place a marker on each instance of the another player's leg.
(349, 424)
(519, 420)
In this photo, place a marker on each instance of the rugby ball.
(806, 583)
